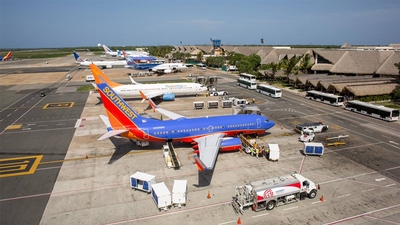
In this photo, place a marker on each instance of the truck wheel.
(324, 129)
(215, 94)
(312, 194)
(224, 93)
(270, 205)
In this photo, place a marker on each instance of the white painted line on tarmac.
(353, 125)
(392, 142)
(380, 179)
(9, 115)
(291, 208)
(59, 124)
(26, 128)
(393, 168)
(1, 120)
(260, 215)
(233, 221)
(78, 123)
(386, 137)
(316, 202)
(369, 131)
(371, 189)
(344, 196)
(15, 110)
(22, 105)
(390, 185)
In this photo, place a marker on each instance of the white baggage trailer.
(142, 181)
(161, 195)
(274, 152)
(179, 193)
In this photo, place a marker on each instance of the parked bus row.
(380, 112)
(384, 113)
(249, 81)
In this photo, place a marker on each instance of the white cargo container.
(161, 195)
(142, 181)
(274, 152)
(179, 193)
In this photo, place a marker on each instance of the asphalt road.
(381, 138)
(33, 139)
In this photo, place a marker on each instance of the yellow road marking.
(15, 126)
(11, 167)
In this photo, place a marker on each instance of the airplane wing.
(165, 112)
(208, 150)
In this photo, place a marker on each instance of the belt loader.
(271, 192)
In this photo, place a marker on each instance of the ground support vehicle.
(307, 136)
(161, 196)
(218, 93)
(271, 192)
(170, 156)
(314, 127)
(313, 148)
(142, 181)
(179, 193)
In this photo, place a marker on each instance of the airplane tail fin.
(78, 58)
(130, 61)
(8, 56)
(106, 49)
(100, 77)
(133, 81)
(120, 114)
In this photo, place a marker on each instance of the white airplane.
(123, 53)
(166, 90)
(102, 64)
(155, 67)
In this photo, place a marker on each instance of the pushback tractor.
(268, 193)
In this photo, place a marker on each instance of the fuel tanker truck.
(271, 192)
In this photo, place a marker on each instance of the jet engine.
(109, 66)
(168, 71)
(168, 97)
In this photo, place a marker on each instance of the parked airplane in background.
(124, 53)
(208, 132)
(155, 67)
(166, 90)
(102, 64)
(6, 57)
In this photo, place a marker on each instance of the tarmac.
(81, 180)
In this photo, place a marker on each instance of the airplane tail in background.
(78, 58)
(8, 56)
(107, 49)
(130, 62)
(100, 77)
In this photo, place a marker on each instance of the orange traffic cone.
(86, 157)
(189, 157)
(208, 196)
(282, 127)
(239, 222)
(322, 199)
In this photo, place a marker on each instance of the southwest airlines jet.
(102, 64)
(208, 132)
(7, 57)
(166, 90)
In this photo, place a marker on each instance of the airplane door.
(145, 134)
(258, 122)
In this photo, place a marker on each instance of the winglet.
(133, 81)
(153, 105)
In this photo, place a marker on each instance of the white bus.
(327, 98)
(246, 76)
(269, 90)
(246, 83)
(377, 111)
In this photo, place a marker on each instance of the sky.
(76, 23)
